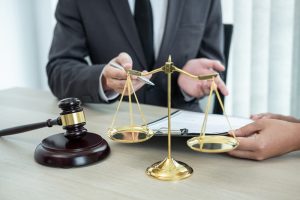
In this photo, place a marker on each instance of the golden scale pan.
(169, 169)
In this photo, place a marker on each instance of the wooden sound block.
(58, 151)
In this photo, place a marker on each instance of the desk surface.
(122, 174)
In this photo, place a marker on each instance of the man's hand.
(267, 138)
(115, 79)
(201, 66)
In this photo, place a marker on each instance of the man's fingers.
(248, 130)
(120, 84)
(116, 84)
(200, 89)
(114, 73)
(222, 87)
(116, 79)
(214, 64)
(125, 60)
(204, 87)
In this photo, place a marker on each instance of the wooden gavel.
(71, 118)
(75, 147)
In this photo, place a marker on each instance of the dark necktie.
(144, 23)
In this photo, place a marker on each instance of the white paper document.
(187, 123)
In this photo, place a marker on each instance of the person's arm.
(68, 73)
(266, 138)
(210, 56)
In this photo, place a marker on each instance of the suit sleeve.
(69, 75)
(212, 44)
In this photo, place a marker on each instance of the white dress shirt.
(159, 12)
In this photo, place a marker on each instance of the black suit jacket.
(101, 29)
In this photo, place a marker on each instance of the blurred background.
(264, 62)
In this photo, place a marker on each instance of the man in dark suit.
(102, 29)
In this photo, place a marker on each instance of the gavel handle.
(29, 127)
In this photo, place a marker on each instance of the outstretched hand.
(266, 138)
(200, 88)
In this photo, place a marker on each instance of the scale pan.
(213, 144)
(130, 134)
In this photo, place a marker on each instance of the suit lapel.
(175, 8)
(125, 18)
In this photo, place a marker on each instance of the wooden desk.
(122, 174)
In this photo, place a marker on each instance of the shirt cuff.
(187, 97)
(108, 95)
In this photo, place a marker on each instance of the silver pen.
(117, 66)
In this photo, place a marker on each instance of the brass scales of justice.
(169, 169)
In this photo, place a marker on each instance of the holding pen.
(117, 66)
(114, 75)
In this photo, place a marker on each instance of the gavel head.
(72, 118)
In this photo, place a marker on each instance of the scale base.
(213, 144)
(169, 170)
(130, 134)
(58, 151)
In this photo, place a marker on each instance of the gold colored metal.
(72, 118)
(186, 73)
(169, 115)
(206, 77)
(168, 68)
(152, 72)
(213, 144)
(134, 72)
(169, 170)
(200, 77)
(131, 133)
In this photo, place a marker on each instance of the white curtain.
(295, 107)
(25, 37)
(264, 61)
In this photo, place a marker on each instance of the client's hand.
(266, 138)
(201, 66)
(114, 79)
(274, 116)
